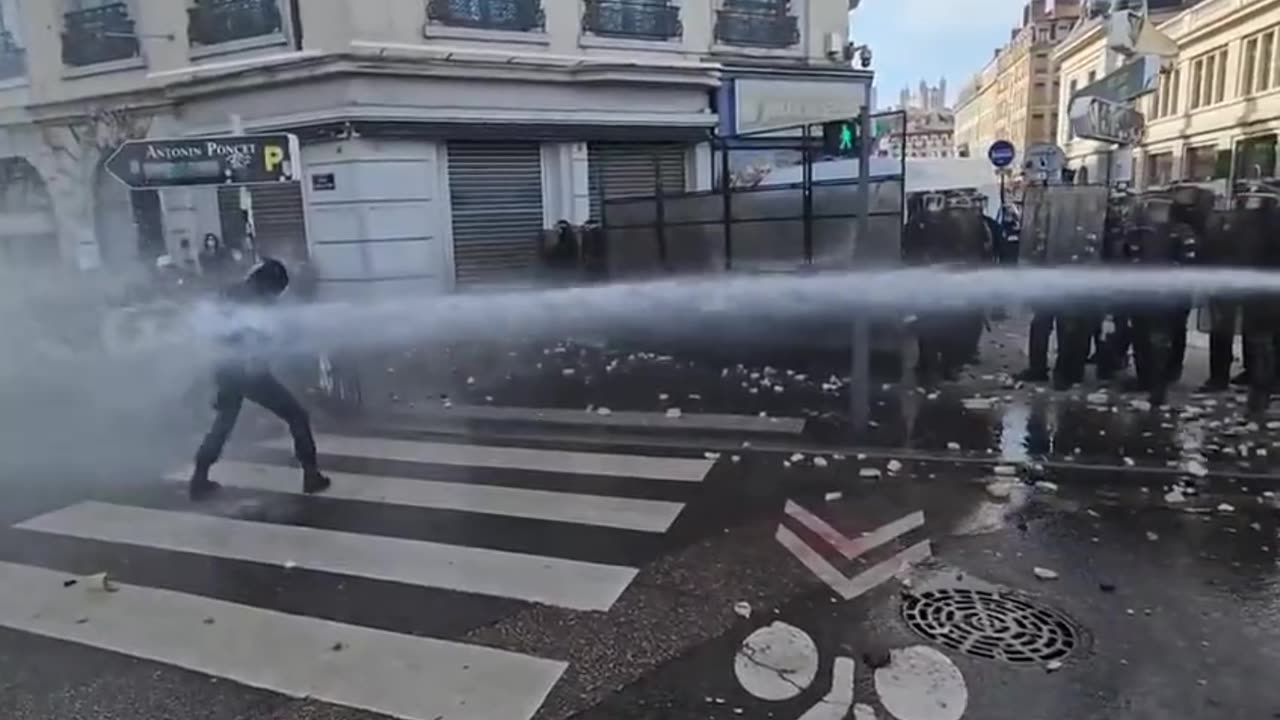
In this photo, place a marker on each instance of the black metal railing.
(13, 57)
(99, 34)
(639, 19)
(757, 23)
(213, 22)
(516, 15)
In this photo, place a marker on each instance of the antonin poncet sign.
(226, 160)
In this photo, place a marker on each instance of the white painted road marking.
(584, 463)
(776, 662)
(836, 705)
(604, 511)
(567, 583)
(853, 547)
(921, 683)
(398, 675)
(627, 419)
(846, 587)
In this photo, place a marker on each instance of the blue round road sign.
(1002, 153)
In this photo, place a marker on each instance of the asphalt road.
(456, 577)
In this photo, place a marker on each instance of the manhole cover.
(992, 625)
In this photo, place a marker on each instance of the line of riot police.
(1178, 225)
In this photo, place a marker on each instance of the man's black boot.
(201, 486)
(313, 481)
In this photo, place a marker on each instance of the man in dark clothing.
(244, 376)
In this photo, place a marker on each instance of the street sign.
(840, 138)
(224, 160)
(1133, 79)
(1002, 153)
(1094, 118)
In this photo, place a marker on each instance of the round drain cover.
(992, 625)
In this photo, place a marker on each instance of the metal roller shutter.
(280, 231)
(628, 169)
(496, 199)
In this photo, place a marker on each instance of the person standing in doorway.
(245, 374)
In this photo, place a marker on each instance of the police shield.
(1063, 224)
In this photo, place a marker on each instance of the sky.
(930, 39)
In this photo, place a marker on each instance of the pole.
(246, 201)
(807, 191)
(860, 365)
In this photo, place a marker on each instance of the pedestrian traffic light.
(840, 138)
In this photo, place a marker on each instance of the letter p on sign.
(272, 156)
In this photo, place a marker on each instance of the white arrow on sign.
(851, 548)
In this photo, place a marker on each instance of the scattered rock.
(711, 455)
(604, 412)
(1140, 405)
(742, 609)
(894, 466)
(1045, 574)
(1001, 489)
(833, 496)
(338, 647)
(663, 396)
(736, 458)
(289, 564)
(1175, 496)
(208, 621)
(1046, 486)
(1005, 470)
(797, 457)
(786, 464)
(1226, 508)
(1129, 462)
(568, 372)
(1053, 666)
(820, 462)
(1194, 467)
(869, 473)
(674, 413)
(471, 381)
(69, 583)
(1152, 536)
(953, 446)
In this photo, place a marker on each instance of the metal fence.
(755, 223)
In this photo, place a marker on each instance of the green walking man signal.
(841, 138)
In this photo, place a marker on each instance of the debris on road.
(1195, 468)
(1005, 470)
(894, 466)
(1175, 496)
(869, 473)
(953, 446)
(711, 455)
(1152, 536)
(742, 609)
(674, 413)
(820, 462)
(1046, 486)
(1053, 666)
(1001, 489)
(1226, 508)
(1045, 574)
(604, 412)
(833, 496)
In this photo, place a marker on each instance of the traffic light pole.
(860, 362)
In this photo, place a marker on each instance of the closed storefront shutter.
(280, 231)
(629, 169)
(495, 194)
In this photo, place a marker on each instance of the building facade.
(439, 137)
(1082, 59)
(921, 125)
(1014, 97)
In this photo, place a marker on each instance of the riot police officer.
(1256, 226)
(1191, 213)
(1115, 341)
(1221, 248)
(942, 228)
(1157, 240)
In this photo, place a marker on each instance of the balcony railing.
(757, 23)
(13, 57)
(213, 22)
(515, 15)
(98, 35)
(637, 19)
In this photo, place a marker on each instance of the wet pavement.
(987, 550)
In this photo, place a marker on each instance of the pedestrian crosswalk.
(408, 521)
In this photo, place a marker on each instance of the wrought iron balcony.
(13, 57)
(516, 15)
(638, 19)
(213, 22)
(757, 23)
(99, 34)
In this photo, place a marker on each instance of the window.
(759, 23)
(1209, 78)
(1259, 68)
(1093, 76)
(98, 31)
(1202, 164)
(212, 22)
(13, 56)
(1256, 157)
(1159, 169)
(1164, 102)
(515, 15)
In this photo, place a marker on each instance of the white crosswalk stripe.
(401, 675)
